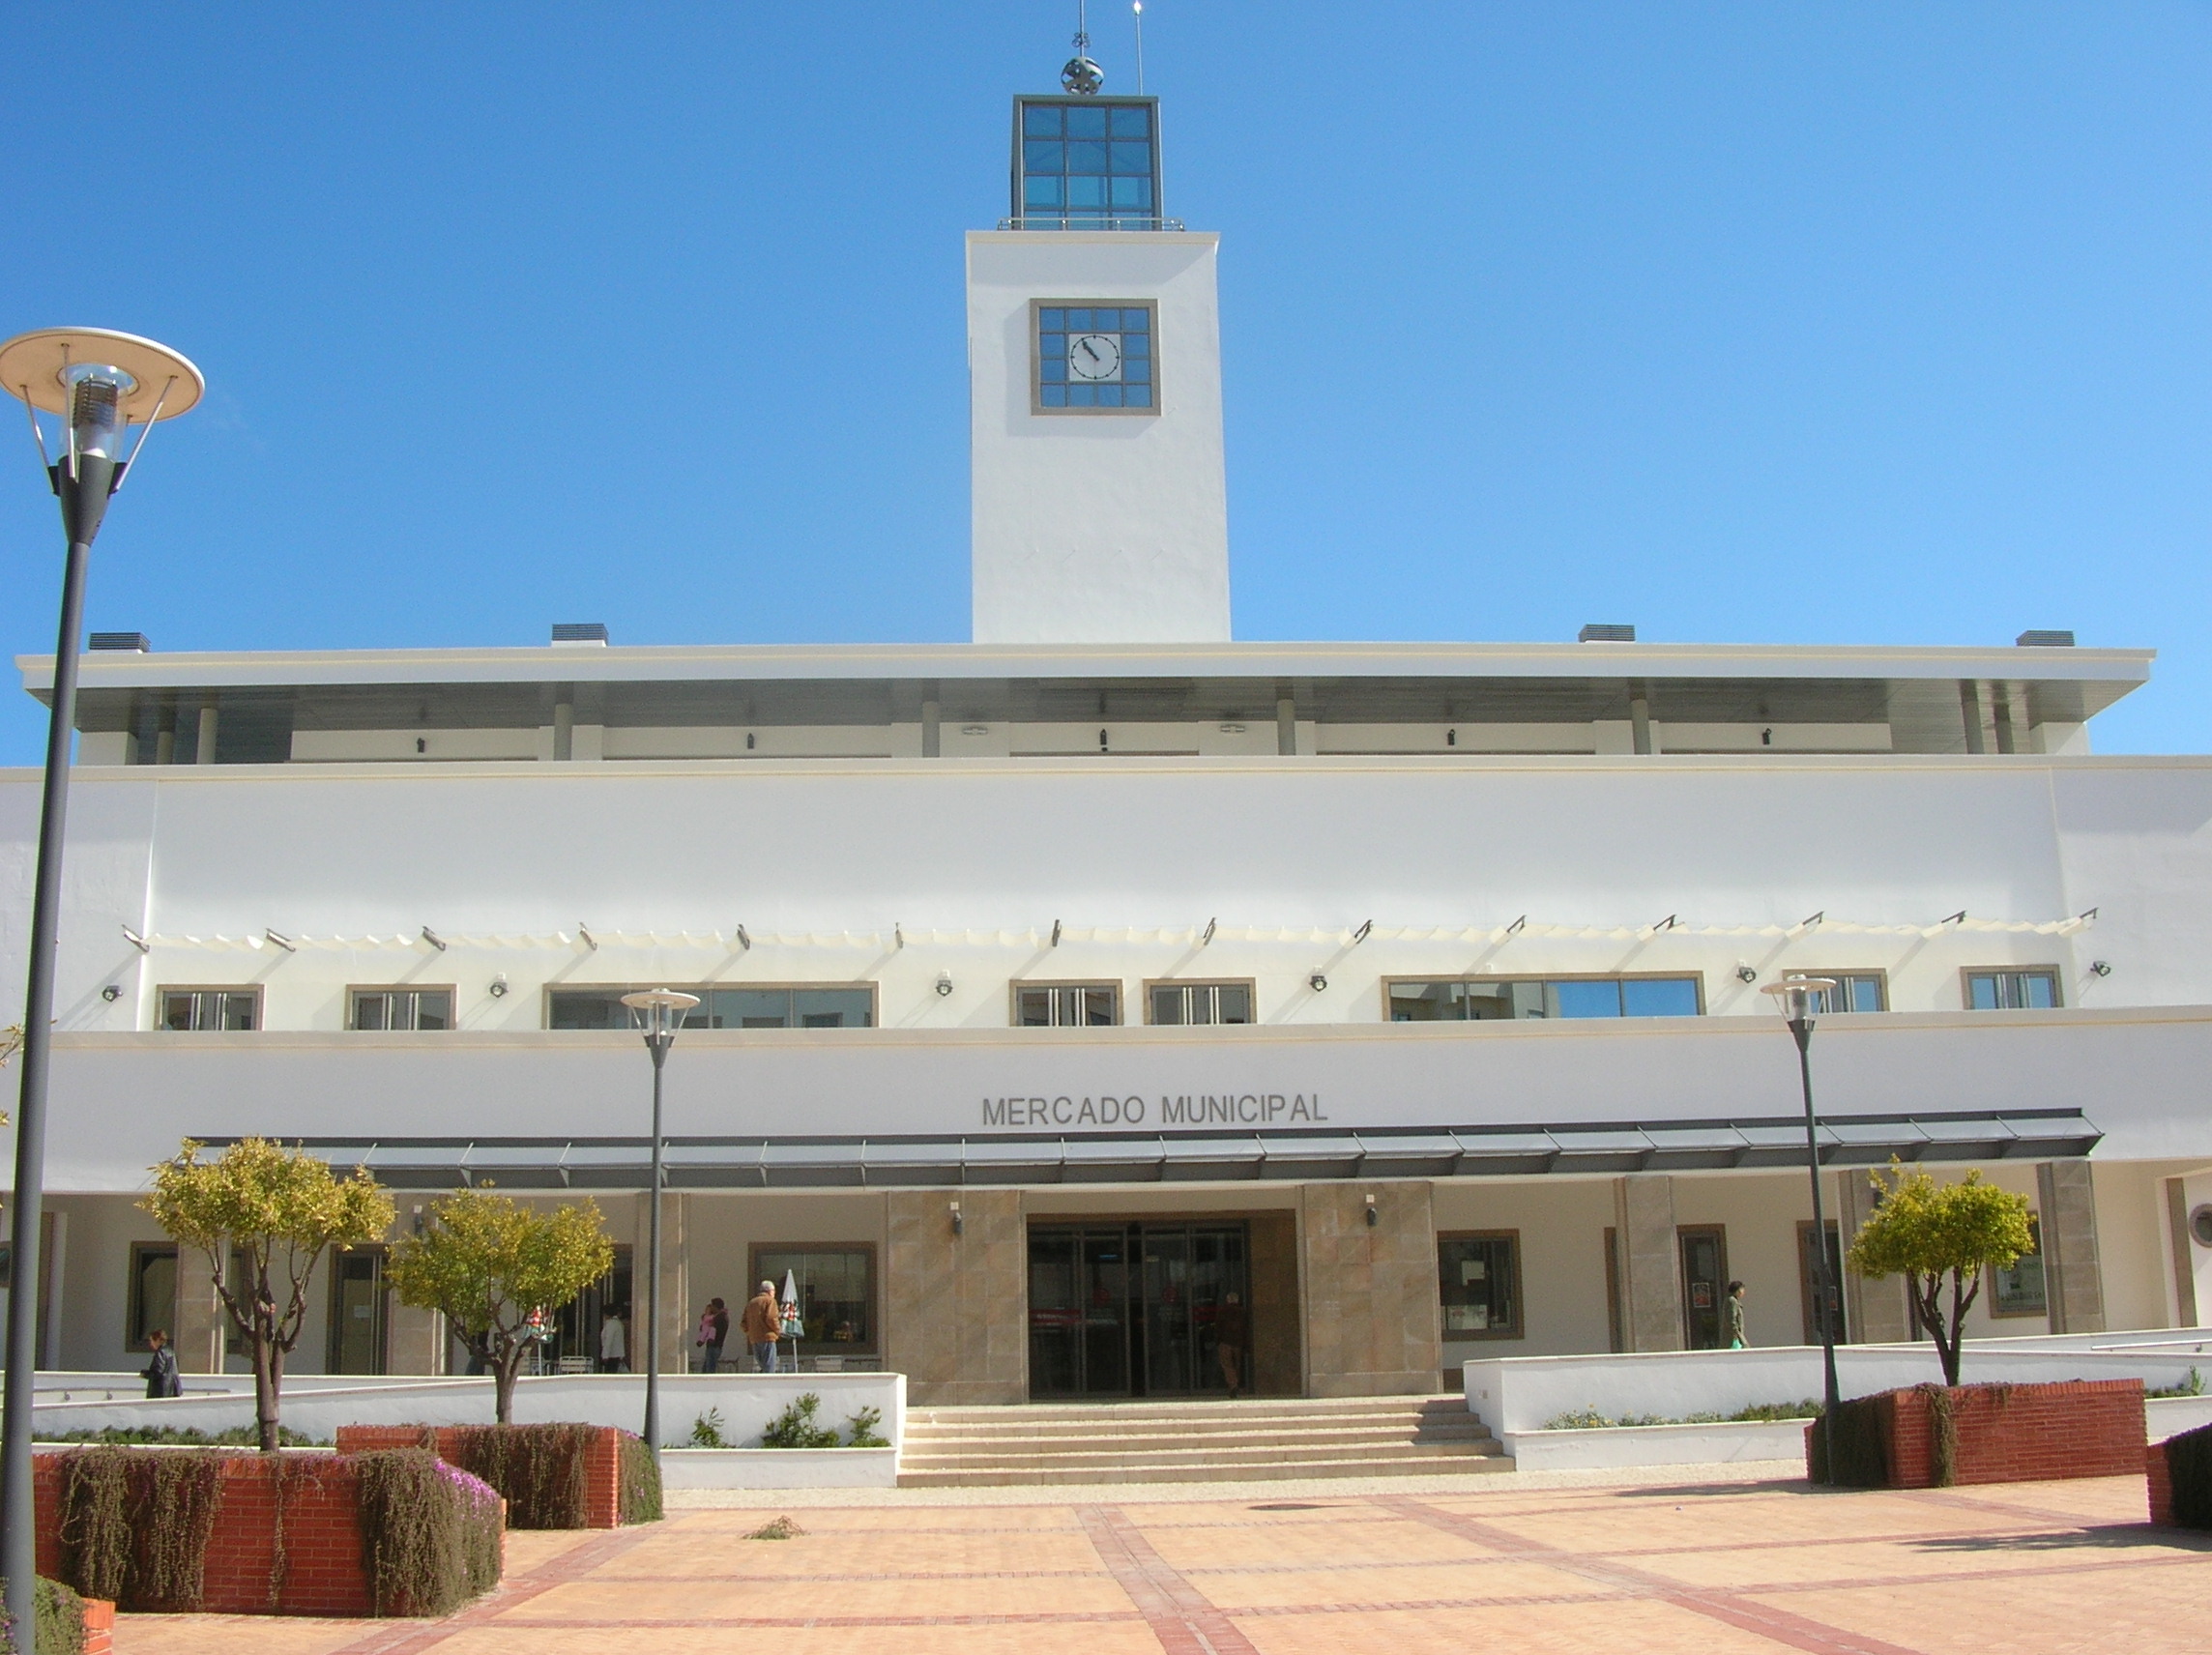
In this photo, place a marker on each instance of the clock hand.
(1092, 351)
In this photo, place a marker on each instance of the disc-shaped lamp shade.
(36, 368)
(1794, 997)
(660, 1009)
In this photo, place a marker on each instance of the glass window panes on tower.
(1066, 1005)
(2032, 990)
(1087, 163)
(1478, 1000)
(1095, 357)
(1478, 1283)
(205, 1008)
(1201, 1003)
(402, 1008)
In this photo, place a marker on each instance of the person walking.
(763, 1325)
(713, 1333)
(1735, 1338)
(1232, 1338)
(160, 1370)
(614, 1343)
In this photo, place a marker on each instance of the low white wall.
(2169, 1416)
(779, 1467)
(747, 1403)
(1515, 1394)
(1654, 1446)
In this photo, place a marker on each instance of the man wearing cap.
(762, 1325)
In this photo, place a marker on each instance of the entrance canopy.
(1307, 1154)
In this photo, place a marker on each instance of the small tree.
(1924, 1231)
(275, 1212)
(485, 1262)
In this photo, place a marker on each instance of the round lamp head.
(659, 1011)
(151, 381)
(1797, 998)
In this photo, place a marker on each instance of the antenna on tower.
(1137, 7)
(1082, 76)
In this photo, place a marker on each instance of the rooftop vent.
(2034, 640)
(1598, 632)
(142, 645)
(579, 631)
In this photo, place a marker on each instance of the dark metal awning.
(1298, 1154)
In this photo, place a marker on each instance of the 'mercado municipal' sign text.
(1185, 1109)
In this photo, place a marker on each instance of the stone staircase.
(1195, 1441)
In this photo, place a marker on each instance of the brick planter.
(2185, 1458)
(99, 1627)
(325, 1574)
(2011, 1433)
(603, 1459)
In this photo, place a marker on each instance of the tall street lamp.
(1796, 997)
(98, 385)
(658, 1012)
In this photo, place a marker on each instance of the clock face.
(1095, 357)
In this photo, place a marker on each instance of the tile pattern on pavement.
(1717, 1568)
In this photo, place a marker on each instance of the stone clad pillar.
(678, 1314)
(956, 1305)
(2073, 1281)
(201, 1321)
(1372, 1311)
(1875, 1312)
(414, 1339)
(1649, 1262)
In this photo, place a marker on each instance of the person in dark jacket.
(160, 1370)
(1232, 1340)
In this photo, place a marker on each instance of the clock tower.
(1101, 511)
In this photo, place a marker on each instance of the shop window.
(1176, 1003)
(837, 1292)
(402, 1009)
(152, 1296)
(1478, 1281)
(211, 1009)
(1482, 1000)
(2019, 1289)
(1066, 1005)
(766, 1005)
(2032, 989)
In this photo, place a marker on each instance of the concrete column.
(1286, 726)
(206, 752)
(1874, 1313)
(414, 1339)
(932, 726)
(956, 1302)
(1649, 1262)
(2184, 1262)
(202, 1325)
(1372, 1315)
(2073, 1281)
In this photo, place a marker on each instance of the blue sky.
(1852, 321)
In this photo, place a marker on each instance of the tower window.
(1094, 358)
(1087, 163)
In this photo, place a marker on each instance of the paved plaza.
(1706, 1562)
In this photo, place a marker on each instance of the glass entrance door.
(1704, 1286)
(1126, 1310)
(357, 1311)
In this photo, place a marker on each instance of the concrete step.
(1123, 1454)
(1069, 1435)
(1382, 1425)
(1270, 1470)
(1200, 1409)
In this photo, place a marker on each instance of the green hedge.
(134, 1523)
(1861, 1427)
(537, 1470)
(431, 1532)
(61, 1621)
(2188, 1467)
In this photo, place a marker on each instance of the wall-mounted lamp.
(499, 986)
(956, 1223)
(112, 993)
(1372, 1217)
(1318, 984)
(420, 1223)
(2103, 968)
(944, 983)
(1746, 974)
(975, 728)
(434, 939)
(1232, 728)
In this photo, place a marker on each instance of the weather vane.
(1082, 76)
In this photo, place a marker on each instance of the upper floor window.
(2034, 988)
(1855, 990)
(1475, 1000)
(399, 1009)
(1198, 1003)
(227, 1009)
(845, 1006)
(1066, 1005)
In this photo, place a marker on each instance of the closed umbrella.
(793, 1328)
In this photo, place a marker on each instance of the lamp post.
(658, 1012)
(1796, 997)
(97, 384)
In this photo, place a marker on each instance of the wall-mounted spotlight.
(434, 939)
(499, 986)
(1372, 1217)
(2103, 968)
(1746, 974)
(1318, 984)
(957, 1225)
(944, 983)
(112, 993)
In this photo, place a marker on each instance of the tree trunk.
(503, 1372)
(268, 1384)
